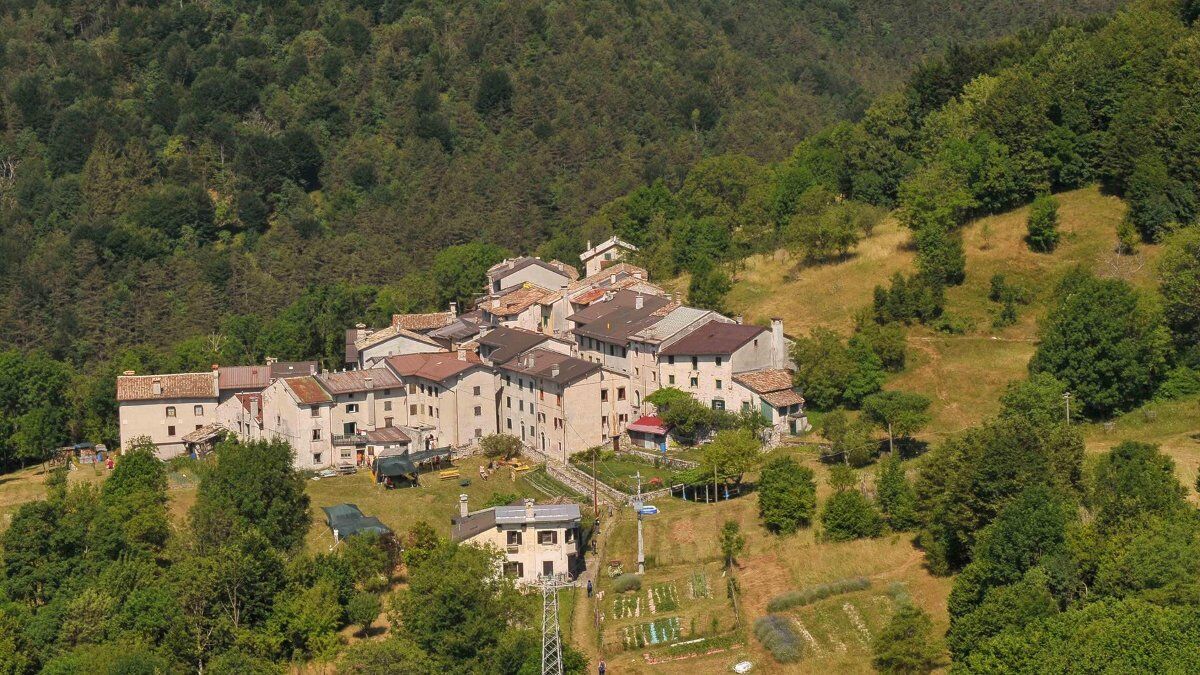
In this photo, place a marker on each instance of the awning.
(204, 434)
(649, 424)
(346, 520)
(393, 466)
(426, 455)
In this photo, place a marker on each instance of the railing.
(359, 438)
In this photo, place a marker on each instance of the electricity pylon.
(551, 637)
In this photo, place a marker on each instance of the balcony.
(357, 438)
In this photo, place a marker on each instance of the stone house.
(450, 397)
(536, 539)
(704, 361)
(607, 252)
(363, 401)
(298, 410)
(771, 392)
(164, 408)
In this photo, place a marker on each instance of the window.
(514, 569)
(550, 537)
(199, 427)
(316, 435)
(475, 391)
(351, 407)
(479, 433)
(671, 360)
(170, 411)
(387, 392)
(604, 422)
(387, 406)
(412, 388)
(520, 384)
(570, 535)
(422, 387)
(695, 382)
(695, 363)
(548, 568)
(412, 409)
(718, 384)
(623, 352)
(508, 424)
(478, 411)
(198, 411)
(718, 360)
(521, 406)
(170, 431)
(314, 411)
(387, 421)
(718, 404)
(508, 402)
(670, 379)
(783, 411)
(316, 458)
(345, 453)
(541, 394)
(603, 395)
(620, 393)
(745, 406)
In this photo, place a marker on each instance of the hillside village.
(562, 361)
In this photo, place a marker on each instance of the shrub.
(1180, 382)
(1043, 224)
(777, 636)
(849, 515)
(787, 495)
(500, 445)
(908, 300)
(627, 582)
(811, 594)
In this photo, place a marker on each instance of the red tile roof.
(308, 390)
(783, 398)
(244, 377)
(175, 385)
(436, 367)
(714, 337)
(356, 380)
(422, 321)
(517, 300)
(763, 381)
(649, 424)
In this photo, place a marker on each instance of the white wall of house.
(233, 416)
(532, 274)
(394, 346)
(306, 427)
(528, 548)
(707, 377)
(165, 421)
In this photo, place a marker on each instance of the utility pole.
(551, 637)
(638, 506)
(595, 488)
(1067, 398)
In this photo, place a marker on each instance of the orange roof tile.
(175, 385)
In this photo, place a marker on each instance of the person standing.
(589, 588)
(602, 668)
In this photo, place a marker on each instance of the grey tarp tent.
(346, 520)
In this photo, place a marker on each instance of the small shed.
(347, 520)
(649, 433)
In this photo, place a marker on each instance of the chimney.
(612, 279)
(779, 354)
(462, 354)
(129, 372)
(554, 371)
(462, 506)
(312, 369)
(738, 318)
(215, 367)
(156, 386)
(254, 408)
(589, 244)
(529, 509)
(453, 309)
(639, 301)
(512, 262)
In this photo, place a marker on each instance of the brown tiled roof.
(292, 368)
(243, 377)
(175, 385)
(388, 435)
(714, 337)
(517, 300)
(509, 342)
(385, 334)
(783, 398)
(436, 367)
(763, 381)
(616, 326)
(351, 381)
(543, 363)
(307, 390)
(620, 270)
(246, 399)
(622, 299)
(419, 322)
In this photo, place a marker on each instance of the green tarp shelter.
(393, 466)
(346, 520)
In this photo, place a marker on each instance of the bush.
(849, 515)
(908, 300)
(807, 596)
(777, 636)
(1180, 382)
(362, 610)
(626, 583)
(1043, 225)
(500, 445)
(787, 495)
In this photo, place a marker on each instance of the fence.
(575, 479)
(672, 462)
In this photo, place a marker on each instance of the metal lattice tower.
(551, 637)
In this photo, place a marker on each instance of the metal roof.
(542, 513)
(669, 325)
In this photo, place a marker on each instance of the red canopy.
(649, 424)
